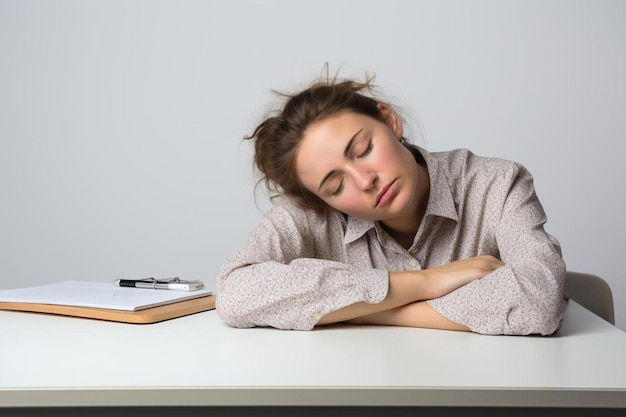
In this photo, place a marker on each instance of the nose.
(364, 179)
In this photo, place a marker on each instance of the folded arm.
(404, 306)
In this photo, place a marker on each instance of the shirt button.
(317, 316)
(413, 263)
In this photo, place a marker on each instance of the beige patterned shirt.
(296, 266)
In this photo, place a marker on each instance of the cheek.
(389, 155)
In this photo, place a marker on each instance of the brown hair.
(277, 137)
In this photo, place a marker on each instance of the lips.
(386, 194)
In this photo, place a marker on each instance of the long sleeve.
(290, 272)
(526, 295)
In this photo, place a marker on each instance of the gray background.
(121, 122)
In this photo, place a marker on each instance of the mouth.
(386, 194)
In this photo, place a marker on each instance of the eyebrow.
(346, 151)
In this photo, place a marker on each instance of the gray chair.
(591, 292)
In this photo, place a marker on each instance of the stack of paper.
(97, 295)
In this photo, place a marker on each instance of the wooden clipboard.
(146, 316)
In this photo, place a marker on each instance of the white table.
(52, 361)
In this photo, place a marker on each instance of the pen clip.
(155, 281)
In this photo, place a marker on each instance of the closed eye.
(367, 150)
(338, 190)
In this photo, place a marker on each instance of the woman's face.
(358, 165)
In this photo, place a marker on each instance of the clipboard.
(145, 316)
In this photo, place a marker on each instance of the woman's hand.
(444, 279)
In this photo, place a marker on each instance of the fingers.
(447, 278)
(485, 264)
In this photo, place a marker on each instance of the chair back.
(592, 292)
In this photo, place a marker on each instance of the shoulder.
(287, 214)
(482, 179)
(296, 232)
(463, 163)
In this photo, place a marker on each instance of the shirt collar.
(440, 200)
(356, 228)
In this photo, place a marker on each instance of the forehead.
(337, 129)
(321, 149)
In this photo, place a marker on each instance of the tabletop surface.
(199, 360)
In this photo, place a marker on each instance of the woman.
(369, 229)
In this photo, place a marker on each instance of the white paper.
(97, 294)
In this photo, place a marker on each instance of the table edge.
(306, 396)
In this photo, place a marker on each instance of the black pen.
(167, 284)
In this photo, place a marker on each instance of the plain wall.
(121, 122)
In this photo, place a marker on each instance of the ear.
(391, 119)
